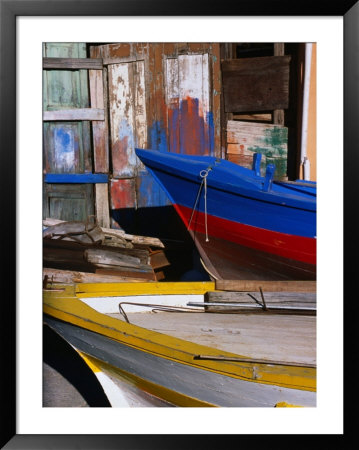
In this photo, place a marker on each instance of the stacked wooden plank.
(246, 138)
(248, 296)
(99, 254)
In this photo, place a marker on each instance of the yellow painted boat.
(154, 344)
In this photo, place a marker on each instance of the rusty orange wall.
(172, 119)
(153, 55)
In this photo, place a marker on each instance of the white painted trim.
(109, 305)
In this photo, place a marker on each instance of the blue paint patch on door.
(210, 123)
(158, 137)
(65, 149)
(149, 193)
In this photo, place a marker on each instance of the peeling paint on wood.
(72, 63)
(123, 201)
(67, 145)
(140, 117)
(190, 120)
(244, 139)
(127, 116)
(123, 193)
(153, 106)
(74, 114)
(148, 192)
(68, 201)
(98, 89)
(102, 205)
(66, 148)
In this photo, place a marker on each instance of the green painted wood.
(65, 88)
(68, 201)
(67, 144)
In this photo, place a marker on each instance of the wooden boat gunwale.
(67, 306)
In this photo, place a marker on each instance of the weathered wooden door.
(160, 96)
(66, 145)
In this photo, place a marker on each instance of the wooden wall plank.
(161, 119)
(64, 147)
(121, 104)
(76, 178)
(72, 63)
(148, 192)
(68, 201)
(119, 60)
(266, 286)
(172, 100)
(139, 96)
(123, 197)
(98, 95)
(152, 101)
(190, 120)
(102, 205)
(74, 114)
(256, 84)
(70, 277)
(246, 138)
(216, 77)
(278, 114)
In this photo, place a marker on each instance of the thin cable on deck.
(156, 308)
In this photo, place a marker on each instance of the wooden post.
(273, 286)
(98, 90)
(278, 114)
(102, 205)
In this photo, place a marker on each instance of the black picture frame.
(9, 10)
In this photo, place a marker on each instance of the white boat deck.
(275, 337)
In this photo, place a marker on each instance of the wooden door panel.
(256, 84)
(190, 118)
(127, 116)
(64, 89)
(68, 201)
(66, 145)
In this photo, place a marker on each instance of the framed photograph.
(26, 27)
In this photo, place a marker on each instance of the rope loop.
(203, 174)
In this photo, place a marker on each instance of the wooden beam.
(100, 258)
(72, 63)
(278, 114)
(135, 239)
(120, 60)
(74, 114)
(75, 178)
(254, 117)
(130, 272)
(71, 277)
(158, 259)
(102, 205)
(98, 94)
(267, 286)
(277, 302)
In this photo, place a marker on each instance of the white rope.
(205, 205)
(203, 174)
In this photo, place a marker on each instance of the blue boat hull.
(241, 229)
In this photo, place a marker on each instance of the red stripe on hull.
(297, 248)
